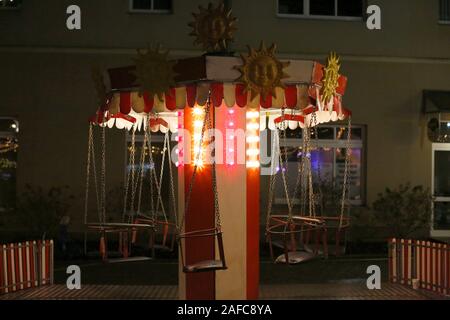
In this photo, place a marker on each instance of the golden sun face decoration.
(213, 27)
(331, 77)
(262, 72)
(154, 72)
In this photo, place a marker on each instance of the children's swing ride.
(204, 206)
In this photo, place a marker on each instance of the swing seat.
(204, 266)
(295, 257)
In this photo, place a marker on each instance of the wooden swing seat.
(204, 265)
(295, 257)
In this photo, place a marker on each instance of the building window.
(10, 4)
(334, 9)
(9, 145)
(151, 6)
(444, 11)
(157, 150)
(328, 162)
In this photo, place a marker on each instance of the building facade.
(46, 85)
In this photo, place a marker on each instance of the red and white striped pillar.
(238, 182)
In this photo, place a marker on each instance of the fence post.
(391, 253)
(3, 270)
(52, 262)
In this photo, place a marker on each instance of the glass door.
(441, 190)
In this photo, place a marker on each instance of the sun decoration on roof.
(213, 27)
(154, 72)
(331, 77)
(262, 72)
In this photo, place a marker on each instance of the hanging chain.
(152, 165)
(303, 169)
(154, 180)
(159, 200)
(103, 176)
(196, 161)
(88, 173)
(133, 172)
(273, 177)
(214, 175)
(142, 172)
(346, 165)
(285, 165)
(319, 196)
(172, 186)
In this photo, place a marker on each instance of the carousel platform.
(328, 291)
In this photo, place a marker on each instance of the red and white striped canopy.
(300, 98)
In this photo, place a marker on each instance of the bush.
(39, 212)
(404, 210)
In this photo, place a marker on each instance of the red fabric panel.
(148, 102)
(266, 102)
(217, 94)
(342, 85)
(290, 94)
(253, 182)
(317, 73)
(171, 99)
(125, 102)
(191, 95)
(241, 96)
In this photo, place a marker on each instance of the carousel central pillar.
(238, 178)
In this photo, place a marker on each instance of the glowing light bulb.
(252, 114)
(231, 124)
(198, 111)
(198, 123)
(253, 139)
(252, 164)
(253, 126)
(253, 152)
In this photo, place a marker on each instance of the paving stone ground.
(338, 291)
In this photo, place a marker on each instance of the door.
(440, 226)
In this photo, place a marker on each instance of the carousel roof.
(197, 78)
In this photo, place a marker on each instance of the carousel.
(211, 110)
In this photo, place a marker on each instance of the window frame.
(3, 7)
(437, 232)
(149, 11)
(307, 16)
(13, 135)
(440, 21)
(339, 143)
